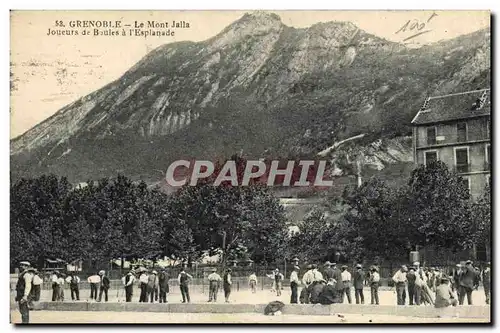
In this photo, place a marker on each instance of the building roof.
(456, 106)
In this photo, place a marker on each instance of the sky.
(49, 72)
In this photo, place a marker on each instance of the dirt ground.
(81, 317)
(386, 297)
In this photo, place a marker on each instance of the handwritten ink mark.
(415, 25)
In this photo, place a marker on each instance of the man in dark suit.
(358, 282)
(467, 280)
(411, 278)
(328, 271)
(487, 282)
(337, 275)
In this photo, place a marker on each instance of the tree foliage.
(117, 218)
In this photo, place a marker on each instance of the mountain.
(259, 87)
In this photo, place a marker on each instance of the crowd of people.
(326, 285)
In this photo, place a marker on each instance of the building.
(455, 129)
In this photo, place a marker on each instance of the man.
(278, 281)
(252, 282)
(359, 279)
(184, 279)
(307, 280)
(128, 282)
(420, 280)
(55, 286)
(73, 282)
(23, 290)
(227, 283)
(328, 271)
(214, 281)
(456, 279)
(60, 282)
(37, 285)
(94, 281)
(337, 276)
(104, 286)
(329, 294)
(163, 285)
(374, 284)
(294, 285)
(444, 294)
(153, 286)
(487, 281)
(431, 279)
(346, 281)
(437, 277)
(411, 278)
(399, 279)
(467, 278)
(143, 285)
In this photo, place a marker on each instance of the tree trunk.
(488, 249)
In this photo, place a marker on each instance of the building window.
(466, 182)
(462, 132)
(430, 156)
(487, 130)
(488, 180)
(431, 135)
(462, 159)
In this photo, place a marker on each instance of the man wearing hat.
(227, 283)
(444, 294)
(153, 285)
(73, 282)
(294, 284)
(278, 281)
(399, 279)
(374, 284)
(487, 282)
(37, 285)
(184, 279)
(104, 286)
(420, 280)
(307, 280)
(214, 281)
(346, 283)
(143, 284)
(128, 282)
(23, 290)
(359, 279)
(163, 285)
(252, 282)
(94, 281)
(337, 276)
(328, 271)
(55, 286)
(466, 283)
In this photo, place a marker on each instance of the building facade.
(455, 129)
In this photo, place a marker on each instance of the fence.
(199, 283)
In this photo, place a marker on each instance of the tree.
(374, 224)
(481, 217)
(228, 217)
(38, 230)
(438, 207)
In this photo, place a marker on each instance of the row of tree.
(121, 219)
(433, 210)
(117, 218)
